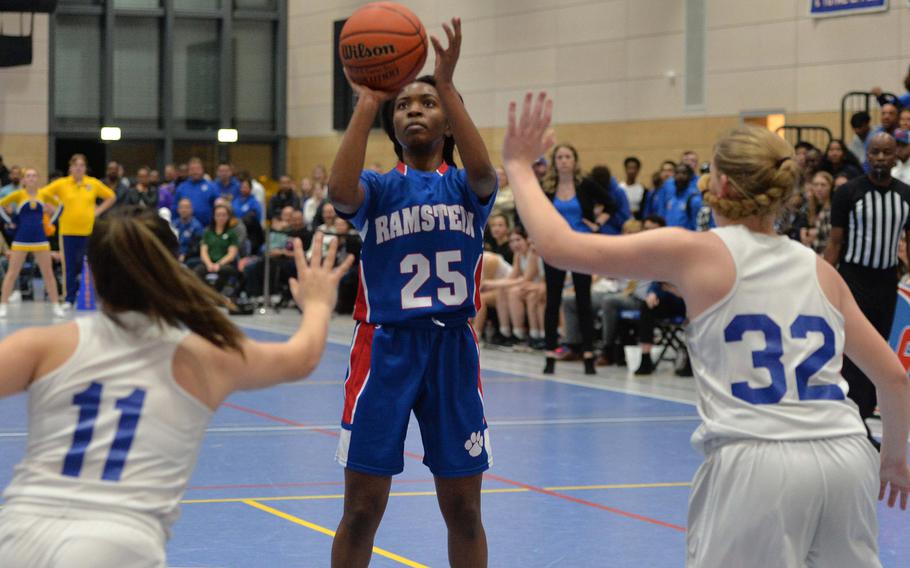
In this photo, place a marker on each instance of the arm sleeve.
(10, 199)
(371, 182)
(840, 207)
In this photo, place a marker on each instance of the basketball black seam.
(407, 34)
(402, 14)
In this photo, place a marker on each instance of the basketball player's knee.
(362, 517)
(463, 517)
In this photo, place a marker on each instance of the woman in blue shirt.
(576, 199)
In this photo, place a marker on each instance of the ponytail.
(134, 271)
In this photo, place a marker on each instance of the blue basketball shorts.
(430, 370)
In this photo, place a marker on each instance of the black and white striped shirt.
(872, 218)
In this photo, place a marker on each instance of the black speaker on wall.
(343, 97)
(16, 50)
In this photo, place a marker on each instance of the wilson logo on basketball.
(361, 51)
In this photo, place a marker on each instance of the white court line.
(497, 423)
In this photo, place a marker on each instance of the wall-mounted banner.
(826, 8)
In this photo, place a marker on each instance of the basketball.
(383, 46)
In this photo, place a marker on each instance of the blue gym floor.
(581, 477)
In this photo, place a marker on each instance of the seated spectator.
(679, 199)
(142, 194)
(327, 228)
(793, 216)
(248, 210)
(239, 228)
(155, 179)
(14, 183)
(285, 197)
(283, 221)
(313, 204)
(609, 216)
(225, 183)
(281, 260)
(168, 188)
(496, 237)
(635, 192)
(540, 168)
(495, 268)
(901, 169)
(349, 243)
(839, 160)
(189, 234)
(505, 201)
(520, 297)
(861, 123)
(815, 234)
(219, 252)
(199, 191)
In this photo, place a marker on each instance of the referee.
(868, 214)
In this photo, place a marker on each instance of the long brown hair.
(551, 179)
(134, 271)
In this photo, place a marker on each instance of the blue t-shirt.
(232, 188)
(422, 246)
(570, 209)
(202, 195)
(243, 205)
(189, 235)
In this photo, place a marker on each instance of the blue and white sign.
(826, 8)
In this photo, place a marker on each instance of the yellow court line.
(331, 533)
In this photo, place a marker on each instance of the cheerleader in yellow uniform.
(30, 206)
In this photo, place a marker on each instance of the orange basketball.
(383, 46)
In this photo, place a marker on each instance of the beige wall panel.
(29, 150)
(23, 85)
(723, 13)
(853, 38)
(821, 87)
(482, 107)
(311, 90)
(525, 68)
(479, 37)
(521, 32)
(23, 118)
(649, 17)
(732, 93)
(649, 57)
(512, 7)
(651, 98)
(749, 47)
(475, 74)
(316, 59)
(598, 102)
(601, 62)
(592, 22)
(467, 10)
(905, 32)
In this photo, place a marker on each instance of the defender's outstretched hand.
(317, 280)
(529, 136)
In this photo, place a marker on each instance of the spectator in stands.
(225, 183)
(328, 215)
(313, 205)
(14, 181)
(815, 234)
(154, 178)
(540, 168)
(889, 116)
(903, 119)
(306, 189)
(219, 251)
(168, 189)
(183, 173)
(861, 123)
(505, 201)
(497, 238)
(320, 176)
(77, 194)
(635, 192)
(802, 149)
(609, 216)
(114, 179)
(349, 244)
(283, 221)
(239, 227)
(690, 158)
(278, 253)
(200, 192)
(142, 193)
(903, 100)
(518, 296)
(705, 217)
(679, 199)
(839, 160)
(667, 171)
(649, 198)
(495, 268)
(4, 173)
(901, 169)
(258, 188)
(284, 197)
(249, 212)
(575, 198)
(189, 233)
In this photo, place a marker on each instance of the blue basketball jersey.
(422, 245)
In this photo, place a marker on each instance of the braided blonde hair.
(760, 168)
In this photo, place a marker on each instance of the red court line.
(298, 484)
(582, 501)
(487, 474)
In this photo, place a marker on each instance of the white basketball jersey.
(767, 358)
(111, 429)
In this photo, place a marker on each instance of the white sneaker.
(67, 306)
(59, 311)
(3, 309)
(15, 297)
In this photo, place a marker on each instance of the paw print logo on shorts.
(474, 444)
